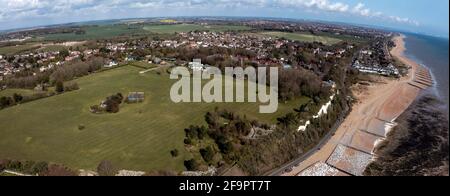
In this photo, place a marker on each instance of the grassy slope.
(139, 137)
(303, 37)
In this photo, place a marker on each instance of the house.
(157, 60)
(136, 97)
(130, 58)
(196, 65)
(287, 66)
(111, 64)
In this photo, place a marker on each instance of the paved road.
(287, 167)
(294, 163)
(15, 173)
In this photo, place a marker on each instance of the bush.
(81, 127)
(73, 86)
(207, 154)
(106, 168)
(96, 109)
(6, 102)
(191, 165)
(59, 87)
(40, 167)
(17, 98)
(174, 153)
(202, 132)
(188, 141)
(112, 103)
(3, 164)
(58, 170)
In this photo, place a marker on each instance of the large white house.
(196, 65)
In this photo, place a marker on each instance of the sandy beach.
(350, 150)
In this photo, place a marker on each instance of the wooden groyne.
(422, 78)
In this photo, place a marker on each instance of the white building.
(111, 64)
(196, 65)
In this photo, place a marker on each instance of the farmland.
(97, 32)
(139, 137)
(302, 37)
(170, 29)
(110, 31)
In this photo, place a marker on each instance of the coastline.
(352, 147)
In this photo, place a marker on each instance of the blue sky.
(424, 16)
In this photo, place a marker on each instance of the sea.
(433, 53)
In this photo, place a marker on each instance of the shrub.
(106, 168)
(6, 102)
(17, 98)
(58, 170)
(187, 141)
(73, 86)
(207, 154)
(191, 165)
(59, 87)
(81, 127)
(174, 153)
(40, 167)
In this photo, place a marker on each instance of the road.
(281, 170)
(296, 162)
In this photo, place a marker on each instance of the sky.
(421, 16)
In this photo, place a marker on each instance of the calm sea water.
(433, 53)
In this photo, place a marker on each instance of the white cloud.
(32, 9)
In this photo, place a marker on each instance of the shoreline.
(352, 147)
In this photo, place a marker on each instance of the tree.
(17, 98)
(202, 132)
(192, 132)
(59, 86)
(40, 167)
(188, 141)
(64, 53)
(58, 170)
(191, 165)
(5, 102)
(207, 154)
(106, 168)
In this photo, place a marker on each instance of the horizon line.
(377, 27)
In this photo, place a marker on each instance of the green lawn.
(178, 28)
(139, 137)
(144, 64)
(303, 37)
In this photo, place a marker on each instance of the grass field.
(110, 31)
(139, 137)
(303, 37)
(178, 28)
(143, 65)
(11, 50)
(10, 92)
(97, 32)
